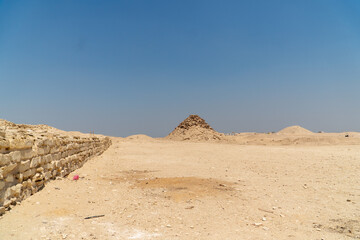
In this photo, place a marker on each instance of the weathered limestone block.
(19, 143)
(4, 159)
(47, 176)
(7, 193)
(47, 158)
(40, 151)
(15, 191)
(7, 203)
(2, 184)
(4, 144)
(19, 177)
(50, 166)
(36, 161)
(7, 169)
(57, 164)
(15, 156)
(24, 166)
(27, 154)
(10, 178)
(64, 154)
(43, 150)
(26, 184)
(54, 149)
(49, 142)
(29, 173)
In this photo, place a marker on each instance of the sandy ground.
(158, 189)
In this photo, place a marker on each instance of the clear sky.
(129, 67)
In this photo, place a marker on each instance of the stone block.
(20, 177)
(48, 158)
(7, 203)
(4, 159)
(25, 184)
(2, 184)
(48, 175)
(50, 166)
(7, 169)
(10, 178)
(19, 143)
(15, 191)
(29, 173)
(36, 161)
(57, 164)
(7, 193)
(40, 151)
(4, 143)
(24, 166)
(15, 156)
(27, 154)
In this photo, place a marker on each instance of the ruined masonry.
(31, 155)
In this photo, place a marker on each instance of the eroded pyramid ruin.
(194, 128)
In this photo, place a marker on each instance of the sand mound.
(139, 137)
(194, 128)
(294, 130)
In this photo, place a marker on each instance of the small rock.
(264, 218)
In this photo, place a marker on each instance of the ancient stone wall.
(32, 155)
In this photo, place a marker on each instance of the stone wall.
(31, 155)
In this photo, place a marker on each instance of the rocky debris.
(194, 128)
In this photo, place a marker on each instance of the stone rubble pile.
(31, 155)
(194, 128)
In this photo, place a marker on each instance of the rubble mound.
(294, 130)
(194, 128)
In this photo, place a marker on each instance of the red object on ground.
(76, 177)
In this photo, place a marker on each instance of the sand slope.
(294, 130)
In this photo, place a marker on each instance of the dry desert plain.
(200, 184)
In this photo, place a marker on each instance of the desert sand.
(197, 183)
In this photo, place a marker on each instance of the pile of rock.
(31, 155)
(194, 128)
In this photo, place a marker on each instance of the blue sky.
(129, 67)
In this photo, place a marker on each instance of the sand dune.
(139, 137)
